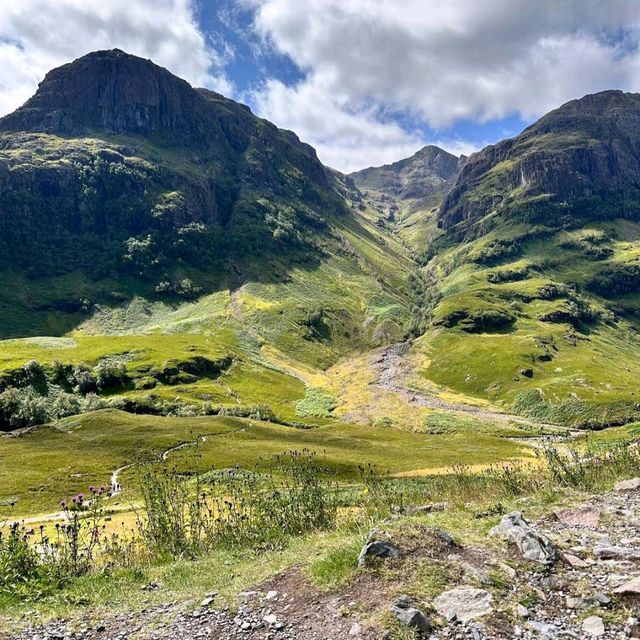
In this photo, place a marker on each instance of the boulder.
(531, 544)
(378, 549)
(463, 604)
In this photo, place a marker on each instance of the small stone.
(574, 561)
(633, 627)
(378, 549)
(574, 603)
(207, 602)
(356, 629)
(542, 628)
(444, 537)
(412, 618)
(271, 618)
(579, 516)
(628, 485)
(616, 553)
(271, 595)
(631, 588)
(593, 626)
(522, 611)
(601, 598)
(403, 602)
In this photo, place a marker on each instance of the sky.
(366, 82)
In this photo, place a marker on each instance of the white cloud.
(37, 35)
(439, 61)
(344, 140)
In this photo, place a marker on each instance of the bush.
(109, 374)
(22, 408)
(316, 403)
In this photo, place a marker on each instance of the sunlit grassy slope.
(52, 462)
(520, 322)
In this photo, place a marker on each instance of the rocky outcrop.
(423, 178)
(531, 544)
(588, 147)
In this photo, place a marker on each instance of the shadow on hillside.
(57, 305)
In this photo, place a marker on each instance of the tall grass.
(286, 496)
(185, 517)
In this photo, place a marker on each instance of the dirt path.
(394, 369)
(591, 582)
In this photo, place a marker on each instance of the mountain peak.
(110, 91)
(421, 177)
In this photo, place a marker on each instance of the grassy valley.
(261, 361)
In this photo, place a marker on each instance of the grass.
(585, 372)
(41, 467)
(328, 558)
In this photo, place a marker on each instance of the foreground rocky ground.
(575, 573)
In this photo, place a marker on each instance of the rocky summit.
(585, 155)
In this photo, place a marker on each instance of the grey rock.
(412, 618)
(463, 604)
(630, 588)
(542, 628)
(628, 485)
(593, 627)
(378, 549)
(403, 602)
(616, 553)
(531, 544)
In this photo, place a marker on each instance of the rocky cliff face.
(588, 148)
(425, 175)
(114, 153)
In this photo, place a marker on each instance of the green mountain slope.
(537, 268)
(174, 239)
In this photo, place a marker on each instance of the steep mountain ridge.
(115, 151)
(536, 272)
(585, 153)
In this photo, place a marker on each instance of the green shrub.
(22, 408)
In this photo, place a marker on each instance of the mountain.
(581, 160)
(116, 165)
(535, 272)
(163, 246)
(419, 180)
(118, 180)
